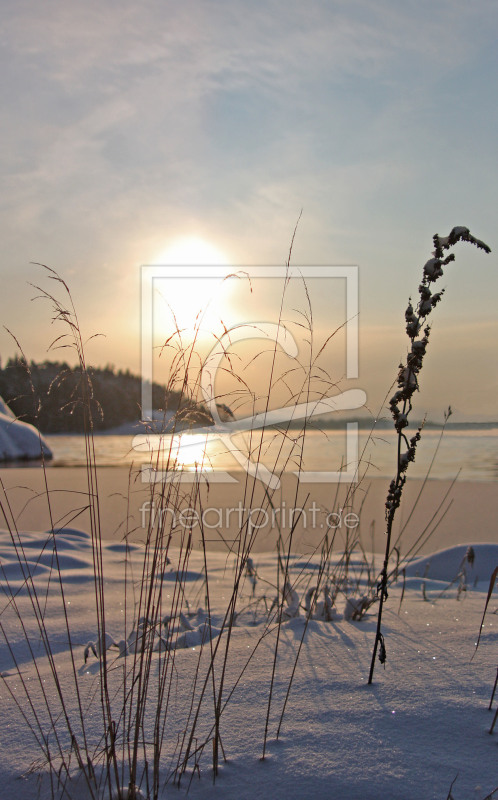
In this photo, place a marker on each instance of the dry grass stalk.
(401, 402)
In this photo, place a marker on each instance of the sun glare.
(185, 451)
(197, 299)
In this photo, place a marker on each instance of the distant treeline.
(50, 395)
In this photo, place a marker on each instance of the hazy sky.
(127, 126)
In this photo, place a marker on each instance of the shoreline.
(468, 516)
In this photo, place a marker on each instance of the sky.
(130, 128)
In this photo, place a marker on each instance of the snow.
(19, 440)
(446, 565)
(422, 724)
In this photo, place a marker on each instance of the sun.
(194, 292)
(191, 250)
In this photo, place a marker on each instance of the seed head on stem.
(408, 383)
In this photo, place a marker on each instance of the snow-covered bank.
(18, 440)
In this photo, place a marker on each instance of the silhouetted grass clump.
(134, 750)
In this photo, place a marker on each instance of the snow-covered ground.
(422, 725)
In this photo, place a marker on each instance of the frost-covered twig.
(400, 404)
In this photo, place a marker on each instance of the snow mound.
(42, 554)
(18, 440)
(445, 565)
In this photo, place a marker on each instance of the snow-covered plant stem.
(400, 404)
